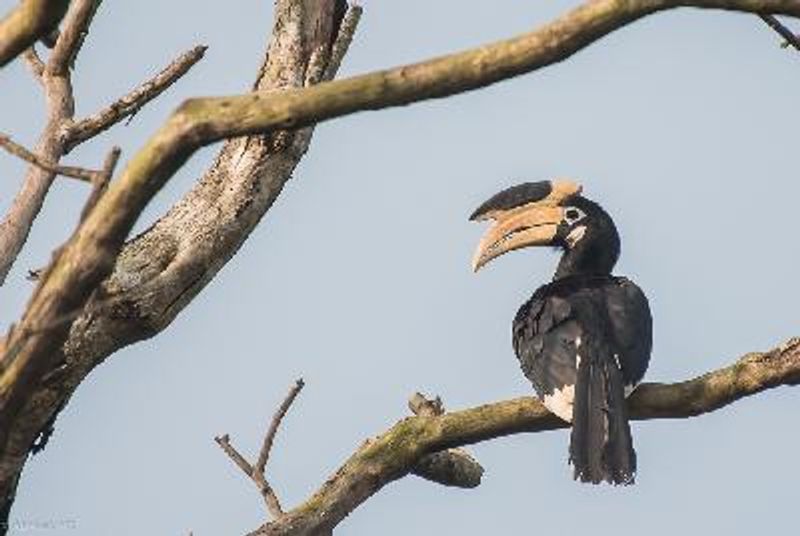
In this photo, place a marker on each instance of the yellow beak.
(531, 224)
(528, 225)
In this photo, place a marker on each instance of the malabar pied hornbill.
(584, 339)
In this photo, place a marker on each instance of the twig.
(269, 438)
(57, 83)
(100, 181)
(67, 171)
(342, 43)
(169, 288)
(34, 62)
(786, 33)
(224, 441)
(56, 139)
(131, 103)
(73, 34)
(396, 452)
(256, 472)
(270, 497)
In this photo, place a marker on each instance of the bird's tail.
(601, 448)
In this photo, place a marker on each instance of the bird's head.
(548, 213)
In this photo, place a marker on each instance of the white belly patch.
(560, 402)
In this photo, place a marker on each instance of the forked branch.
(91, 253)
(62, 133)
(396, 452)
(82, 174)
(256, 471)
(128, 105)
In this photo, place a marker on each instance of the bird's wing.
(546, 337)
(632, 328)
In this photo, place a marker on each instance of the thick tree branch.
(202, 121)
(451, 467)
(160, 272)
(26, 23)
(128, 105)
(396, 452)
(157, 274)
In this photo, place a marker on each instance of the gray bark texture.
(160, 271)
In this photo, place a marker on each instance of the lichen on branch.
(396, 452)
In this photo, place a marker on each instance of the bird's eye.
(572, 215)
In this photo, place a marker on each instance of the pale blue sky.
(684, 126)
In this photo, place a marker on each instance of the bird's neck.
(588, 258)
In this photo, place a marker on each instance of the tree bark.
(397, 452)
(157, 273)
(101, 294)
(28, 22)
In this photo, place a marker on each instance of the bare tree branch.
(128, 105)
(224, 441)
(269, 437)
(18, 150)
(226, 205)
(343, 40)
(256, 472)
(57, 83)
(783, 31)
(202, 121)
(100, 181)
(267, 493)
(60, 134)
(451, 467)
(25, 24)
(34, 62)
(72, 36)
(396, 452)
(161, 271)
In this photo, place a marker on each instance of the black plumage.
(584, 339)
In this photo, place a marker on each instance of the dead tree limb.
(61, 132)
(199, 122)
(450, 467)
(20, 151)
(256, 471)
(396, 452)
(177, 253)
(128, 105)
(57, 84)
(269, 437)
(28, 22)
(158, 273)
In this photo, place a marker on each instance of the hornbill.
(584, 339)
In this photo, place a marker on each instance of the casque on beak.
(533, 222)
